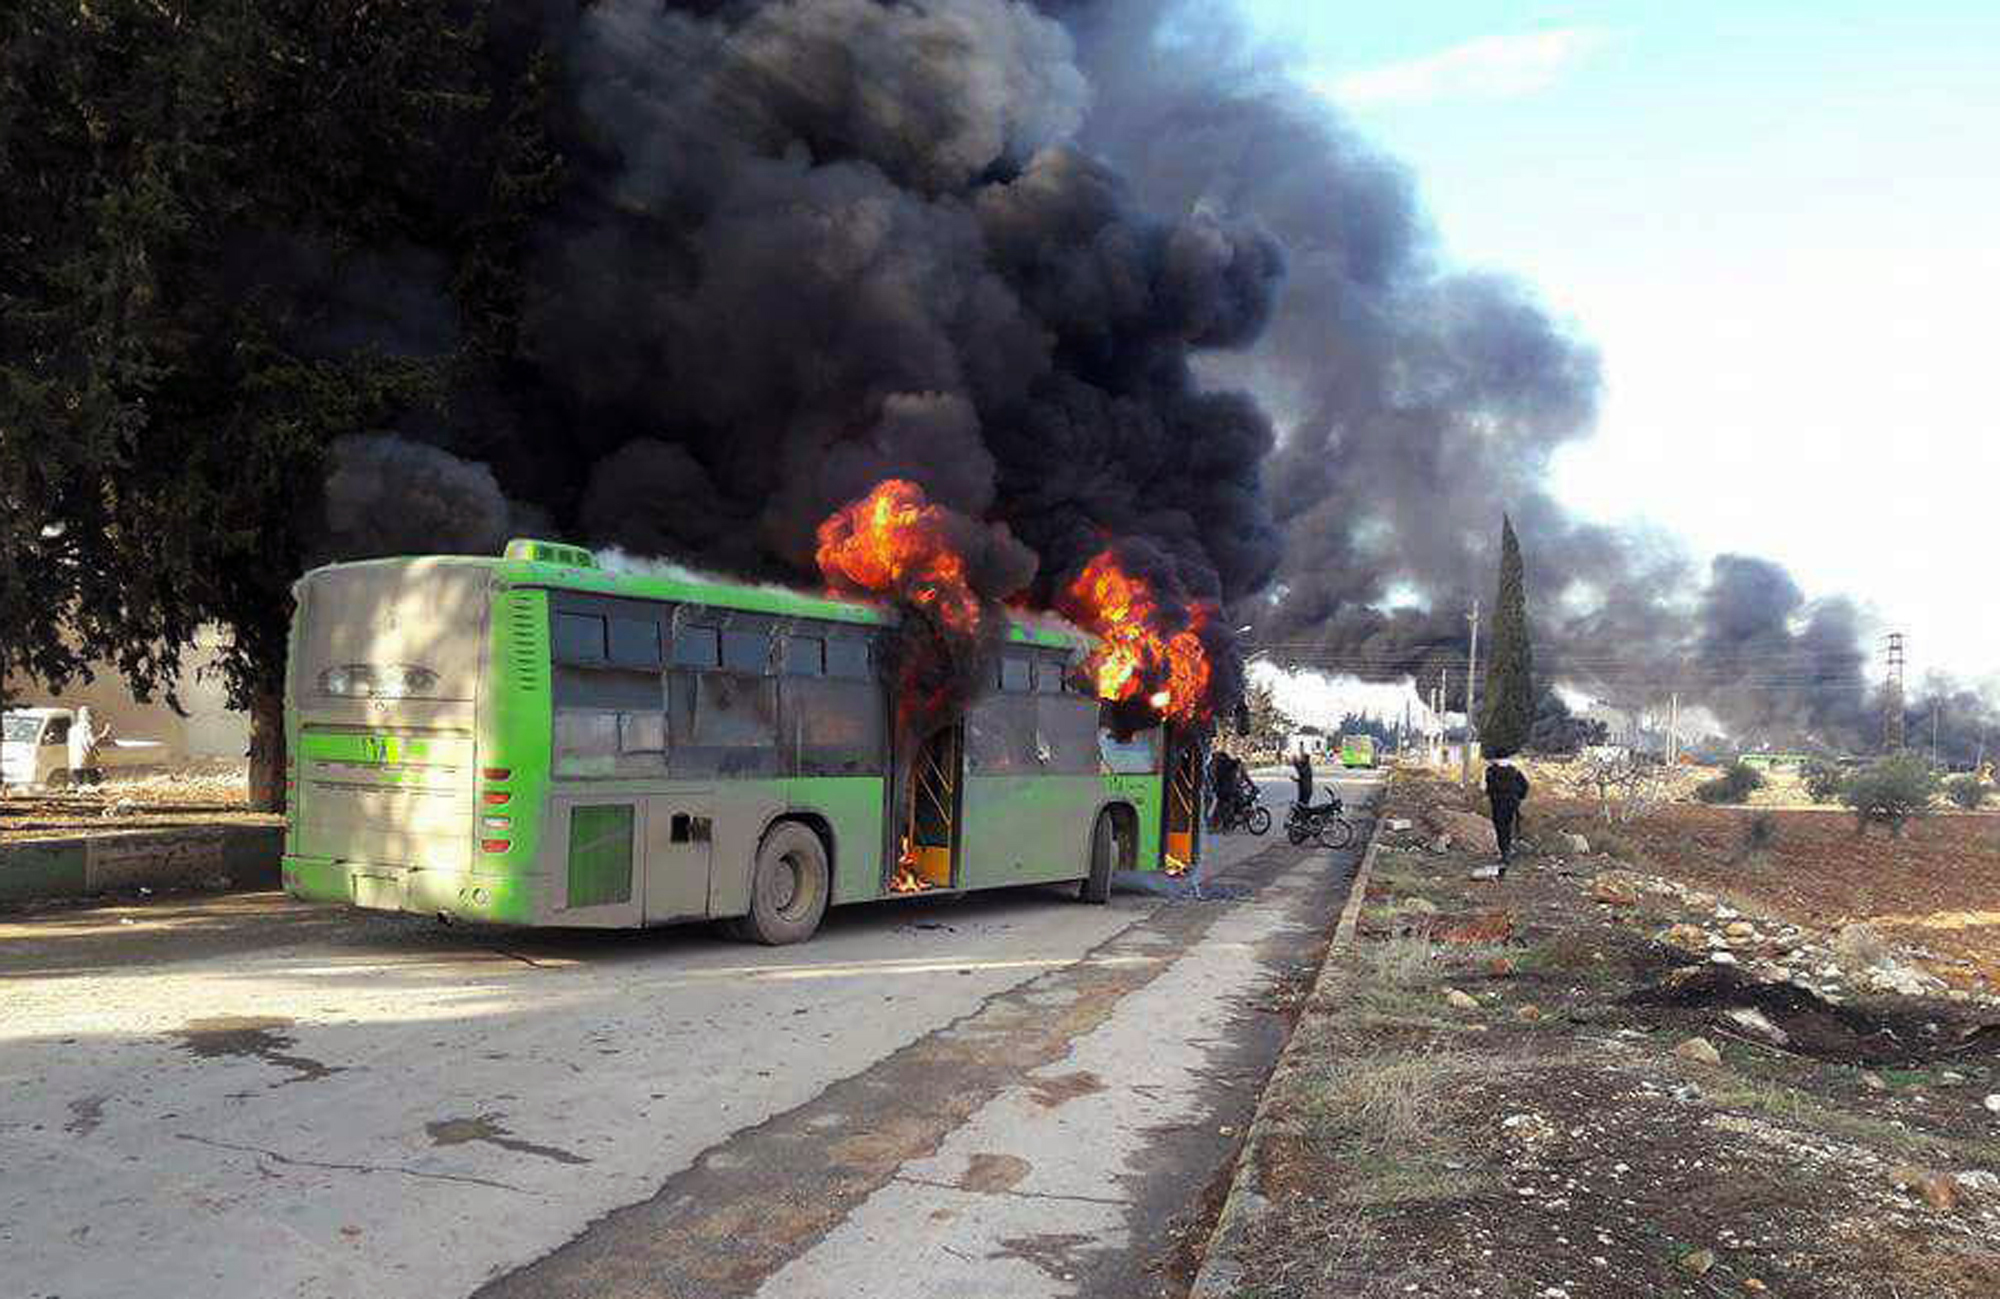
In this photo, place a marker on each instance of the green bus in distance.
(536, 740)
(1357, 751)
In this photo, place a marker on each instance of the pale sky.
(1780, 224)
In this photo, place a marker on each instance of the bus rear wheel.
(789, 886)
(1096, 887)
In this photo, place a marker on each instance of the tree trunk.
(267, 751)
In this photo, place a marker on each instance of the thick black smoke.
(1034, 257)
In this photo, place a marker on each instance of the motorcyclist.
(1225, 780)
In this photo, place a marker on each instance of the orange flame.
(908, 879)
(1135, 655)
(893, 541)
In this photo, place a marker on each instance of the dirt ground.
(204, 794)
(1936, 888)
(1495, 1094)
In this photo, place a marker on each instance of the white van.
(34, 748)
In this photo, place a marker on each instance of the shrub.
(1967, 792)
(1823, 781)
(1891, 791)
(1732, 786)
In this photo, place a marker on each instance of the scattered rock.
(1528, 1014)
(1687, 1092)
(1753, 1021)
(1396, 825)
(1459, 1000)
(1873, 1081)
(1722, 958)
(1613, 892)
(1698, 1263)
(1939, 1190)
(1500, 967)
(1485, 927)
(1740, 929)
(1418, 906)
(1754, 1286)
(1574, 844)
(1978, 1181)
(1993, 1102)
(1700, 1050)
(1473, 833)
(1689, 938)
(1441, 844)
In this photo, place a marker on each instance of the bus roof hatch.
(550, 552)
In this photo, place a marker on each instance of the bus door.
(1182, 814)
(926, 852)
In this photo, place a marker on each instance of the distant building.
(211, 729)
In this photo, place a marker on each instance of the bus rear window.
(746, 651)
(805, 656)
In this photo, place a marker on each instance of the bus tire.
(1096, 887)
(789, 887)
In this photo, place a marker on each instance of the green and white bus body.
(533, 740)
(1357, 751)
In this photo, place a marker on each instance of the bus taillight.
(496, 773)
(495, 797)
(494, 845)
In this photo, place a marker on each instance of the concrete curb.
(47, 870)
(1220, 1273)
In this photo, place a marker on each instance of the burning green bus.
(537, 740)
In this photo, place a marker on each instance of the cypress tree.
(1507, 710)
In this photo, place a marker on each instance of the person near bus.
(87, 737)
(1302, 774)
(1506, 790)
(1225, 777)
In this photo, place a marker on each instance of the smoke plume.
(1091, 269)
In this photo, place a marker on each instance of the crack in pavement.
(288, 1160)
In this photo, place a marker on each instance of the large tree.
(188, 188)
(1507, 707)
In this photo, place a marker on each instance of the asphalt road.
(1010, 1095)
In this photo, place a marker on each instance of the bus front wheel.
(789, 886)
(1096, 887)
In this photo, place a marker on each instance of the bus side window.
(746, 651)
(1049, 676)
(804, 656)
(1014, 674)
(578, 638)
(847, 658)
(697, 647)
(635, 642)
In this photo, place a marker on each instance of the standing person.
(1302, 772)
(86, 741)
(1506, 789)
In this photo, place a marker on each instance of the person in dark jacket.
(1225, 780)
(1302, 772)
(1506, 789)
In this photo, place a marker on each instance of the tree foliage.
(1269, 724)
(1823, 780)
(1968, 792)
(188, 187)
(1734, 785)
(1891, 792)
(1507, 708)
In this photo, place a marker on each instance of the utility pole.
(1934, 732)
(1674, 729)
(1471, 683)
(1892, 706)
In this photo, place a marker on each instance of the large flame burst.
(893, 541)
(1137, 658)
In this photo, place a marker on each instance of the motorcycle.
(1321, 822)
(1246, 813)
